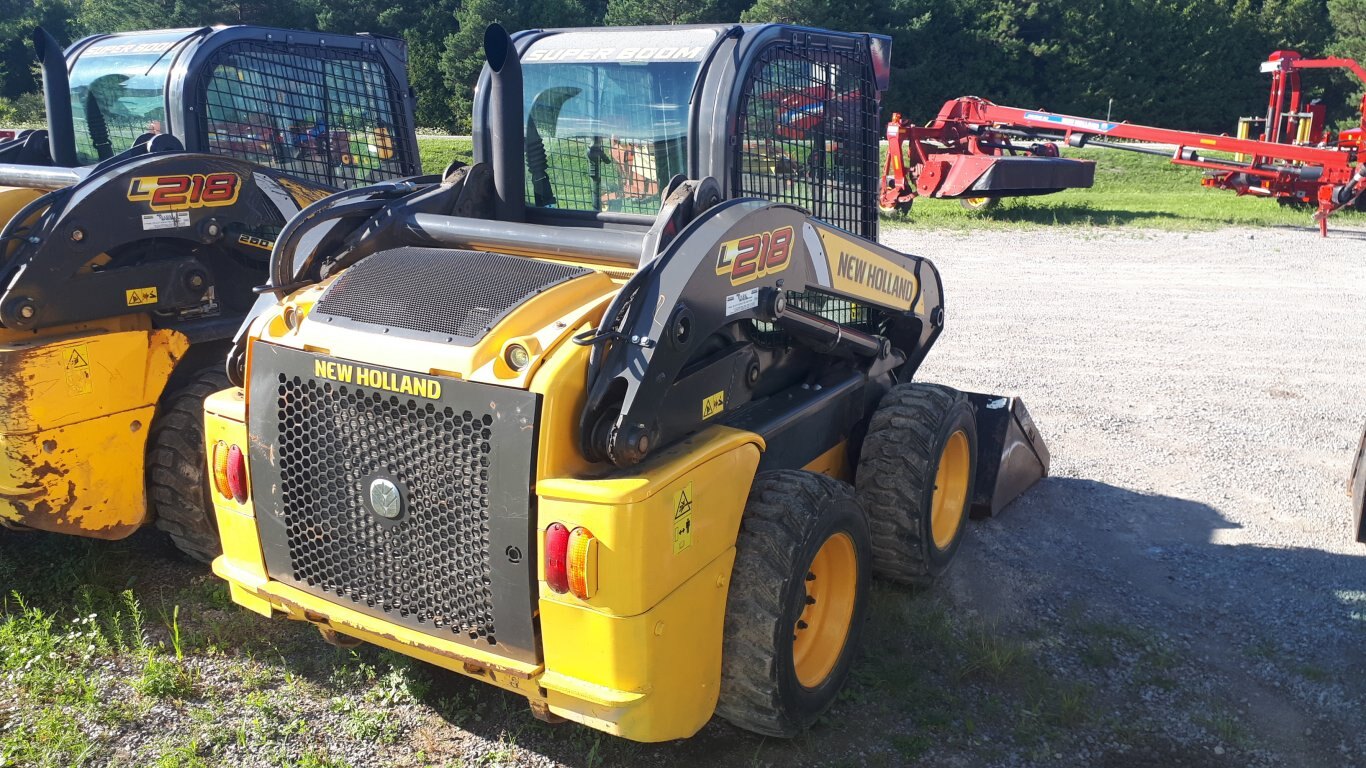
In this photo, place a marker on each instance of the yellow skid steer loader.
(635, 460)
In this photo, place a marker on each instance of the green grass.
(437, 153)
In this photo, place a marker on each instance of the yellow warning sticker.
(683, 518)
(78, 369)
(137, 297)
(713, 405)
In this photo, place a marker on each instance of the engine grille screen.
(457, 296)
(414, 508)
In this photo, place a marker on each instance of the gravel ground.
(1181, 591)
(1202, 397)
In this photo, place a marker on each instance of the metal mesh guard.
(431, 567)
(808, 125)
(332, 116)
(459, 295)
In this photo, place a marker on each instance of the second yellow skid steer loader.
(127, 263)
(621, 417)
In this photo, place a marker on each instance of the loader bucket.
(1011, 455)
(1356, 486)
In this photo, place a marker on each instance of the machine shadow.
(1161, 545)
(1022, 211)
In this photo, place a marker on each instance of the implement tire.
(915, 476)
(978, 204)
(177, 472)
(797, 598)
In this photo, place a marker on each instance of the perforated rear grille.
(459, 295)
(403, 496)
(431, 564)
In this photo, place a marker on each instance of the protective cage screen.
(809, 133)
(330, 116)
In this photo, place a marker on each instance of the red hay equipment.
(971, 149)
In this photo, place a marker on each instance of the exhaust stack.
(505, 124)
(61, 131)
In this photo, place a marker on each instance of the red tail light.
(556, 557)
(230, 472)
(237, 474)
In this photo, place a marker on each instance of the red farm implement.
(977, 150)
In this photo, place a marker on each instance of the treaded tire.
(177, 473)
(896, 478)
(788, 517)
(978, 204)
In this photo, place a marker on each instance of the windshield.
(118, 92)
(607, 121)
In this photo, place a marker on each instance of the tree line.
(1173, 63)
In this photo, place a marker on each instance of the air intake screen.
(455, 295)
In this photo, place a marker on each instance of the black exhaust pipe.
(505, 125)
(61, 132)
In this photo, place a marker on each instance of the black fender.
(174, 225)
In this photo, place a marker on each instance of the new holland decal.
(752, 256)
(185, 191)
(859, 271)
(375, 378)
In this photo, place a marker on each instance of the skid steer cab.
(620, 417)
(128, 263)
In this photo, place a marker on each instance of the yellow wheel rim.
(977, 202)
(831, 589)
(950, 490)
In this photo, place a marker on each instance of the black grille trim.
(457, 561)
(454, 296)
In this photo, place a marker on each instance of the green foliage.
(463, 56)
(1165, 62)
(626, 12)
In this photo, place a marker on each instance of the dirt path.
(1202, 395)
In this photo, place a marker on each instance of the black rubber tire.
(788, 517)
(178, 485)
(896, 473)
(986, 204)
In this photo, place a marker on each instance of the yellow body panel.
(77, 405)
(651, 677)
(833, 463)
(641, 657)
(700, 483)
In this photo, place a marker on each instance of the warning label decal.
(78, 369)
(683, 518)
